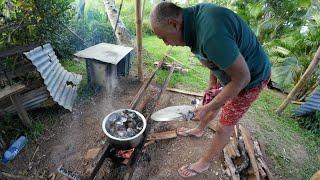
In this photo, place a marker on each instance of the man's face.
(171, 34)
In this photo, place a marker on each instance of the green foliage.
(41, 21)
(285, 71)
(311, 122)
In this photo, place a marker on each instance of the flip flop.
(191, 171)
(186, 132)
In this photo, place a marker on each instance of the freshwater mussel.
(124, 124)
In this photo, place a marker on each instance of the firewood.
(230, 165)
(236, 131)
(261, 161)
(245, 163)
(185, 92)
(257, 148)
(230, 151)
(234, 144)
(261, 171)
(250, 150)
(265, 168)
(162, 135)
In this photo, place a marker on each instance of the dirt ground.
(72, 134)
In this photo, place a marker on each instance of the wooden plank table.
(13, 92)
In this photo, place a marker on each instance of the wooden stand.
(12, 92)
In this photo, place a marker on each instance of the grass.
(194, 80)
(285, 139)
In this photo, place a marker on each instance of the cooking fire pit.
(124, 128)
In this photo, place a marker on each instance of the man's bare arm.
(240, 78)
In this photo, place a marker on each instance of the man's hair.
(164, 11)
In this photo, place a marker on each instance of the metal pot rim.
(126, 139)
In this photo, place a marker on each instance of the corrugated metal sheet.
(312, 104)
(31, 103)
(61, 84)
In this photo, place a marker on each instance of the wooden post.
(20, 110)
(301, 82)
(139, 39)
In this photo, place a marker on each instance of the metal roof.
(312, 104)
(107, 53)
(61, 84)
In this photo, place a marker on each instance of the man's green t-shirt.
(216, 34)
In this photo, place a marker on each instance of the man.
(225, 44)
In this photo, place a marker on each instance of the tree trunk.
(122, 34)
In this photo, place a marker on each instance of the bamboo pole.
(139, 39)
(307, 74)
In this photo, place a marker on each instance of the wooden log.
(145, 85)
(245, 162)
(305, 77)
(162, 135)
(231, 152)
(141, 107)
(265, 168)
(10, 90)
(137, 154)
(12, 176)
(26, 121)
(257, 148)
(262, 173)
(230, 165)
(260, 160)
(250, 150)
(234, 144)
(139, 39)
(185, 92)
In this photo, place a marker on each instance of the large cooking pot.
(126, 143)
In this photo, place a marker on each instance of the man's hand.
(204, 112)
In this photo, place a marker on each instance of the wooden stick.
(31, 160)
(230, 165)
(143, 88)
(305, 77)
(234, 144)
(250, 149)
(139, 39)
(14, 176)
(245, 163)
(26, 121)
(261, 161)
(138, 151)
(185, 92)
(296, 102)
(162, 135)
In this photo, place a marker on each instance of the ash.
(125, 124)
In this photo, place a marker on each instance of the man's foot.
(183, 131)
(193, 169)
